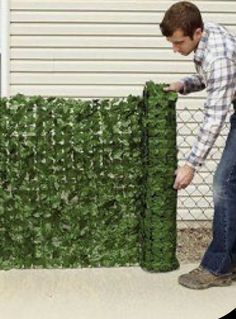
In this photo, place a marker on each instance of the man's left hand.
(184, 176)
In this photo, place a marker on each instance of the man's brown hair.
(182, 15)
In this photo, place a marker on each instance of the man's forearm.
(192, 83)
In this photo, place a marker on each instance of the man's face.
(184, 44)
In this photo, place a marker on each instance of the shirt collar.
(201, 48)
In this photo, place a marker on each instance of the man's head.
(182, 25)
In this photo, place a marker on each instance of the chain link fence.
(195, 203)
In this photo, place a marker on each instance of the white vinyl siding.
(4, 47)
(95, 49)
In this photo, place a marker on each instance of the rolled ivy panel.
(158, 219)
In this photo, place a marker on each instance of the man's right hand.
(176, 87)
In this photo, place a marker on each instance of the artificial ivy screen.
(88, 183)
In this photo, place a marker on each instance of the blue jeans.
(220, 256)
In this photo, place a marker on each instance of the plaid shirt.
(215, 63)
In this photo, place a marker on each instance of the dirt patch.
(192, 243)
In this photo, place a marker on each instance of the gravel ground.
(192, 243)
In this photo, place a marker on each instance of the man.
(215, 62)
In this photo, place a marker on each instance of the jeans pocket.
(233, 120)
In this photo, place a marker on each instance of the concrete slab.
(108, 293)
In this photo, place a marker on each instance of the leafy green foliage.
(82, 180)
(158, 222)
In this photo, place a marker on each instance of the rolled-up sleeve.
(192, 83)
(220, 93)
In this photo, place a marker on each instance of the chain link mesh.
(195, 203)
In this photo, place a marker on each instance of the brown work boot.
(201, 278)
